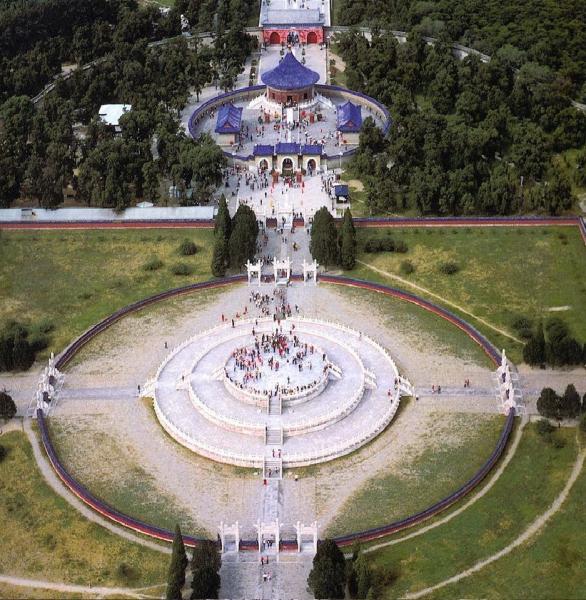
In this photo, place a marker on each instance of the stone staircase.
(273, 468)
(275, 407)
(274, 436)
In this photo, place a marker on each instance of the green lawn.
(424, 479)
(75, 278)
(116, 476)
(445, 339)
(504, 273)
(529, 484)
(43, 537)
(551, 565)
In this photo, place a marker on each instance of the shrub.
(407, 267)
(3, 453)
(152, 264)
(449, 267)
(583, 423)
(401, 246)
(7, 406)
(126, 572)
(181, 269)
(187, 248)
(544, 427)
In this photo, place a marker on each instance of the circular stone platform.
(352, 397)
(281, 364)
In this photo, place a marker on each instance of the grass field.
(504, 273)
(425, 479)
(42, 536)
(411, 319)
(525, 490)
(116, 476)
(549, 566)
(74, 278)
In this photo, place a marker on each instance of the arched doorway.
(264, 165)
(311, 166)
(274, 38)
(312, 37)
(287, 167)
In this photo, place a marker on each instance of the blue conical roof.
(290, 74)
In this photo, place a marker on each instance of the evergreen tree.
(327, 578)
(548, 404)
(176, 576)
(205, 565)
(220, 256)
(324, 238)
(363, 576)
(534, 350)
(347, 242)
(23, 355)
(243, 236)
(570, 403)
(7, 406)
(223, 222)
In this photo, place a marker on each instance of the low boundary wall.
(363, 536)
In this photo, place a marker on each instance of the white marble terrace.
(206, 413)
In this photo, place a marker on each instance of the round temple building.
(290, 82)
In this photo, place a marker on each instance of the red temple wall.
(279, 36)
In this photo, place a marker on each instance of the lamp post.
(341, 152)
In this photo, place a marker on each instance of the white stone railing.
(215, 453)
(336, 451)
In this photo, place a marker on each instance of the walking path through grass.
(441, 298)
(531, 531)
(54, 482)
(524, 491)
(483, 491)
(79, 589)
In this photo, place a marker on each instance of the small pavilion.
(228, 125)
(349, 122)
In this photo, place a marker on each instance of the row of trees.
(547, 32)
(328, 245)
(234, 239)
(205, 567)
(553, 345)
(468, 137)
(566, 406)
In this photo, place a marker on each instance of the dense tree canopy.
(549, 32)
(467, 137)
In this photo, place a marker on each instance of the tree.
(220, 256)
(534, 350)
(7, 406)
(177, 566)
(327, 578)
(570, 403)
(205, 564)
(324, 239)
(347, 239)
(548, 404)
(152, 188)
(223, 222)
(242, 243)
(363, 576)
